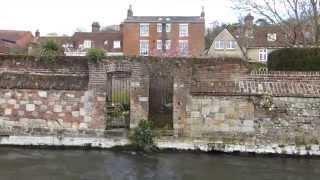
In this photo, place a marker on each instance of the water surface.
(32, 164)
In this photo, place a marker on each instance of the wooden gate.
(118, 100)
(161, 101)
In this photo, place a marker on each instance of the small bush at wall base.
(96, 55)
(142, 137)
(295, 59)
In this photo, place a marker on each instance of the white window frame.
(183, 30)
(263, 55)
(184, 47)
(219, 44)
(168, 27)
(116, 44)
(144, 30)
(159, 44)
(272, 37)
(105, 42)
(159, 27)
(144, 47)
(168, 44)
(87, 44)
(231, 44)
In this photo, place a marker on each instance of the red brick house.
(15, 41)
(163, 35)
(78, 44)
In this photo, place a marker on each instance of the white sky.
(65, 16)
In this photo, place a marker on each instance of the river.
(34, 164)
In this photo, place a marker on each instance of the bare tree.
(315, 8)
(292, 16)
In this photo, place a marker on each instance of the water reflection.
(22, 164)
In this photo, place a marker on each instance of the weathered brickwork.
(218, 100)
(47, 109)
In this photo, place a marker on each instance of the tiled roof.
(96, 35)
(3, 48)
(179, 19)
(260, 36)
(11, 35)
(58, 39)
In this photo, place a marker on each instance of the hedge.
(295, 59)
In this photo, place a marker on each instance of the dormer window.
(272, 37)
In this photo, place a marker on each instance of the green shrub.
(96, 55)
(256, 66)
(49, 50)
(142, 137)
(295, 59)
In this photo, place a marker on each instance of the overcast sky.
(65, 16)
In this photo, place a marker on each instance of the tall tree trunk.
(315, 17)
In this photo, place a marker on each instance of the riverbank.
(179, 144)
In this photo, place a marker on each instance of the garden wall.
(214, 100)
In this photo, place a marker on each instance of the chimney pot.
(130, 11)
(95, 27)
(203, 14)
(37, 34)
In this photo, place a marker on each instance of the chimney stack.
(37, 34)
(95, 27)
(130, 11)
(203, 14)
(248, 25)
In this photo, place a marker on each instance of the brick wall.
(38, 94)
(212, 98)
(222, 101)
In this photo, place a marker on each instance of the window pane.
(263, 54)
(183, 47)
(116, 44)
(144, 47)
(144, 30)
(231, 45)
(168, 28)
(183, 30)
(159, 27)
(87, 44)
(168, 44)
(159, 44)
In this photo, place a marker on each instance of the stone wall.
(53, 96)
(48, 109)
(247, 120)
(215, 100)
